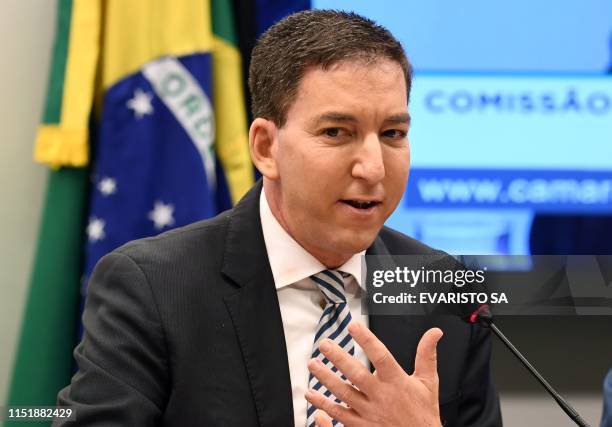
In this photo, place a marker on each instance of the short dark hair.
(313, 38)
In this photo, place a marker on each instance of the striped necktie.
(333, 325)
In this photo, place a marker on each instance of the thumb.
(425, 365)
(322, 419)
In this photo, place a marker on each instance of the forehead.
(370, 88)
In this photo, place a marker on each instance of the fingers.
(383, 361)
(344, 391)
(322, 419)
(332, 409)
(350, 367)
(425, 365)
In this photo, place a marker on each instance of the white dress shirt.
(300, 300)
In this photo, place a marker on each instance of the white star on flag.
(107, 186)
(95, 229)
(141, 103)
(161, 215)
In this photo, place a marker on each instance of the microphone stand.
(484, 317)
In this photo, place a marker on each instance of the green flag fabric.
(43, 361)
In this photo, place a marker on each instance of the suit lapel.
(400, 334)
(255, 313)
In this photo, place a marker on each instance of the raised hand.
(387, 398)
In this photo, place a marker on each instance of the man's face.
(342, 157)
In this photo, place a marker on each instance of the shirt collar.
(289, 261)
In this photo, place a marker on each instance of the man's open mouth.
(360, 204)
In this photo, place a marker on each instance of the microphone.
(483, 317)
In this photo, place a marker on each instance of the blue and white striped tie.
(333, 325)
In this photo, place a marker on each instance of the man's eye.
(332, 132)
(394, 133)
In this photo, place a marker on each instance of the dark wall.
(572, 353)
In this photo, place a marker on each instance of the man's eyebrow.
(333, 116)
(398, 119)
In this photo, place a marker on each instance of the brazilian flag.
(172, 143)
(144, 129)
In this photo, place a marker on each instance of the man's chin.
(337, 244)
(358, 241)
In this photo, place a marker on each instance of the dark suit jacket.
(185, 329)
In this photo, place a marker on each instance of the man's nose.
(369, 164)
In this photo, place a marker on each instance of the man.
(220, 322)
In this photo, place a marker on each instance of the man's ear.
(262, 145)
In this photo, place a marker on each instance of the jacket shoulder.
(197, 240)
